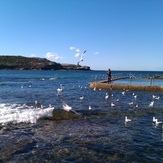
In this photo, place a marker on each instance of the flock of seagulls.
(66, 107)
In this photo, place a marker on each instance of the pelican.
(127, 120)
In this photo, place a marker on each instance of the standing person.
(108, 72)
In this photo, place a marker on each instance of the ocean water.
(29, 98)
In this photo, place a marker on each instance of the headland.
(35, 63)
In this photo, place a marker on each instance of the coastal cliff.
(33, 63)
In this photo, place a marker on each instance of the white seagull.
(131, 103)
(106, 96)
(66, 107)
(60, 88)
(81, 97)
(154, 119)
(151, 104)
(112, 104)
(127, 120)
(123, 92)
(157, 122)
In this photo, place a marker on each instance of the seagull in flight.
(81, 57)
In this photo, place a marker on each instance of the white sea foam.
(17, 113)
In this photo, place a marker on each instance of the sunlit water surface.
(101, 135)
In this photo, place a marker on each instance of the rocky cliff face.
(25, 63)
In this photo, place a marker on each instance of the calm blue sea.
(101, 135)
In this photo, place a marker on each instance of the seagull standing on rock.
(66, 107)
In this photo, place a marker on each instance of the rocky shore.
(33, 63)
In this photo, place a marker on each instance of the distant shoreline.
(33, 63)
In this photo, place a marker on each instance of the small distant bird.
(66, 107)
(153, 96)
(135, 96)
(117, 99)
(151, 104)
(157, 122)
(89, 107)
(154, 119)
(112, 104)
(123, 92)
(81, 97)
(94, 88)
(137, 106)
(158, 97)
(127, 120)
(60, 88)
(106, 96)
(131, 103)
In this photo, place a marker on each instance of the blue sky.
(117, 34)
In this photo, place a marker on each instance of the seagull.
(158, 97)
(66, 107)
(131, 103)
(112, 104)
(157, 122)
(123, 92)
(81, 97)
(154, 119)
(153, 96)
(137, 106)
(60, 88)
(106, 96)
(127, 120)
(151, 104)
(117, 99)
(89, 107)
(81, 58)
(135, 96)
(94, 88)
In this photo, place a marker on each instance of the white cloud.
(77, 54)
(77, 50)
(33, 55)
(53, 56)
(96, 53)
(72, 48)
